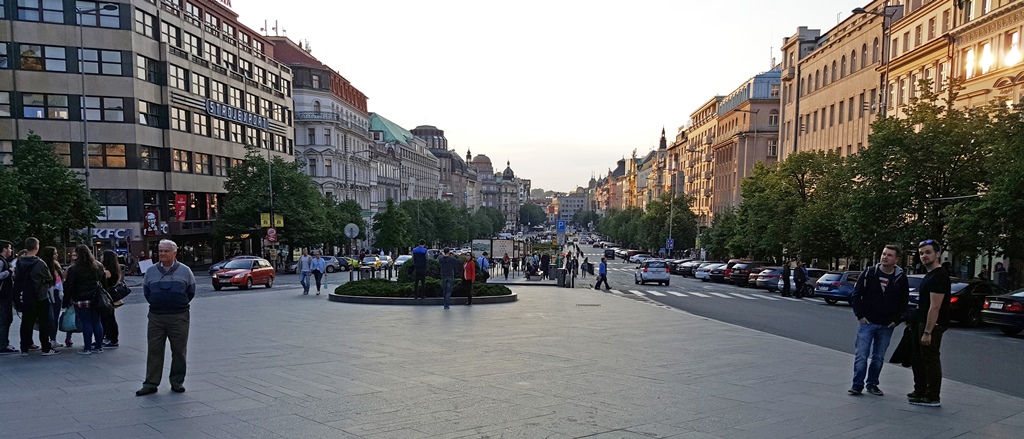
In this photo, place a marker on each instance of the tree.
(584, 218)
(715, 239)
(295, 197)
(530, 213)
(391, 228)
(537, 193)
(338, 215)
(659, 214)
(59, 200)
(13, 208)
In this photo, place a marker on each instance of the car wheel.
(973, 319)
(636, 281)
(666, 284)
(270, 282)
(831, 301)
(248, 283)
(1011, 330)
(217, 287)
(330, 269)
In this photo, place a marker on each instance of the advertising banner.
(502, 247)
(480, 246)
(180, 206)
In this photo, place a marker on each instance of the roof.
(392, 132)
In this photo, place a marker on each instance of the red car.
(244, 273)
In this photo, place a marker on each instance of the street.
(980, 356)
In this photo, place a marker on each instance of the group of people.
(796, 271)
(36, 285)
(452, 267)
(315, 266)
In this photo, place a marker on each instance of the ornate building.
(419, 170)
(457, 180)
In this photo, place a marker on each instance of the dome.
(508, 174)
(482, 160)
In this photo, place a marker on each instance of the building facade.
(458, 182)
(419, 170)
(987, 52)
(699, 171)
(166, 95)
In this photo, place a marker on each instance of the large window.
(217, 90)
(221, 166)
(4, 50)
(43, 106)
(191, 44)
(63, 151)
(106, 155)
(230, 60)
(250, 103)
(181, 161)
(145, 23)
(773, 119)
(236, 132)
(211, 52)
(5, 104)
(50, 11)
(49, 58)
(170, 34)
(150, 114)
(103, 62)
(113, 204)
(103, 109)
(235, 100)
(245, 68)
(148, 70)
(95, 14)
(179, 119)
(219, 128)
(202, 164)
(150, 158)
(200, 124)
(250, 136)
(177, 77)
(199, 84)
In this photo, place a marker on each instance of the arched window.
(316, 106)
(833, 72)
(824, 76)
(817, 79)
(864, 56)
(874, 52)
(807, 85)
(853, 61)
(842, 67)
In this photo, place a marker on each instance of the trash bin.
(365, 273)
(561, 278)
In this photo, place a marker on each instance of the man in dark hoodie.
(32, 281)
(879, 300)
(169, 286)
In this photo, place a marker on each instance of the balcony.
(691, 163)
(691, 179)
(317, 115)
(692, 148)
(789, 74)
(709, 175)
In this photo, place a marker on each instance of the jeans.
(926, 364)
(872, 341)
(318, 276)
(163, 328)
(419, 284)
(92, 328)
(447, 284)
(55, 309)
(31, 314)
(602, 278)
(304, 281)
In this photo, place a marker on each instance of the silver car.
(652, 270)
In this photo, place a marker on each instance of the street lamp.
(886, 25)
(81, 72)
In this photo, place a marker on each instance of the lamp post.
(81, 73)
(886, 25)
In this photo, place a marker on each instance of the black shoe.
(178, 389)
(925, 401)
(145, 391)
(854, 391)
(874, 390)
(912, 395)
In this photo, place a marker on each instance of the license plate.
(822, 288)
(995, 305)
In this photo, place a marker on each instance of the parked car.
(717, 274)
(727, 273)
(690, 268)
(768, 278)
(836, 286)
(675, 266)
(652, 270)
(609, 254)
(813, 274)
(401, 260)
(216, 267)
(639, 257)
(703, 272)
(244, 273)
(1005, 311)
(372, 261)
(740, 274)
(967, 299)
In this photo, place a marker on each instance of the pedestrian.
(545, 266)
(84, 280)
(506, 263)
(305, 264)
(1001, 277)
(485, 265)
(169, 286)
(469, 275)
(584, 266)
(787, 275)
(931, 322)
(879, 300)
(419, 265)
(49, 255)
(449, 265)
(32, 281)
(983, 274)
(602, 274)
(317, 267)
(6, 297)
(111, 276)
(800, 279)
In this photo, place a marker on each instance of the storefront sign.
(224, 111)
(180, 206)
(113, 234)
(151, 224)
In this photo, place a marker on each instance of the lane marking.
(616, 291)
(763, 296)
(656, 293)
(724, 296)
(698, 294)
(743, 296)
(791, 299)
(637, 293)
(676, 294)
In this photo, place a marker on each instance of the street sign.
(265, 220)
(351, 230)
(271, 235)
(561, 227)
(669, 243)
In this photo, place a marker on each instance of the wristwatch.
(927, 333)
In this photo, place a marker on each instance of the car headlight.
(239, 275)
(215, 277)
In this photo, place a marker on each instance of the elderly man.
(169, 286)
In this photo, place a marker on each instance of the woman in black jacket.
(84, 277)
(112, 273)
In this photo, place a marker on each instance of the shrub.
(386, 288)
(433, 271)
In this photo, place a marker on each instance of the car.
(433, 253)
(740, 274)
(717, 274)
(690, 268)
(609, 254)
(244, 273)
(813, 274)
(401, 260)
(652, 270)
(836, 286)
(703, 271)
(371, 261)
(727, 273)
(331, 264)
(675, 266)
(597, 244)
(1005, 311)
(386, 261)
(216, 267)
(768, 278)
(640, 257)
(967, 299)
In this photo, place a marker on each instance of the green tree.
(338, 215)
(715, 239)
(584, 218)
(13, 208)
(391, 228)
(530, 213)
(58, 197)
(656, 221)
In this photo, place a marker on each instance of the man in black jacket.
(32, 281)
(879, 300)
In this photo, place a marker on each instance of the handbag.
(69, 321)
(119, 291)
(102, 302)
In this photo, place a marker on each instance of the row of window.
(37, 57)
(85, 13)
(202, 124)
(811, 122)
(982, 57)
(195, 83)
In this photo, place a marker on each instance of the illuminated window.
(181, 161)
(1013, 53)
(42, 106)
(987, 58)
(107, 155)
(969, 64)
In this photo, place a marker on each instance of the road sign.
(265, 220)
(351, 230)
(561, 227)
(271, 235)
(669, 243)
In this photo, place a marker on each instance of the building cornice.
(986, 26)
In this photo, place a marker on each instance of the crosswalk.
(711, 295)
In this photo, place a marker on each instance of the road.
(980, 356)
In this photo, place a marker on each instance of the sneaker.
(84, 352)
(109, 344)
(874, 390)
(24, 354)
(925, 401)
(97, 351)
(68, 343)
(912, 395)
(854, 391)
(446, 307)
(34, 348)
(52, 351)
(9, 350)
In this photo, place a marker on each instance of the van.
(609, 253)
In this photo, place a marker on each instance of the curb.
(430, 301)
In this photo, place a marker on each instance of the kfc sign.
(151, 225)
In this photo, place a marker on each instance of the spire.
(664, 143)
(469, 156)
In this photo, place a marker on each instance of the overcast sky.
(560, 88)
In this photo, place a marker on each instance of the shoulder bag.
(102, 302)
(119, 291)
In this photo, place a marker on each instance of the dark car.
(215, 267)
(244, 273)
(768, 278)
(728, 268)
(689, 268)
(740, 273)
(967, 299)
(718, 273)
(836, 286)
(609, 253)
(676, 266)
(1005, 311)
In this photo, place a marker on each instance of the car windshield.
(830, 277)
(239, 263)
(370, 260)
(404, 258)
(740, 266)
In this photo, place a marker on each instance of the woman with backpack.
(84, 278)
(112, 276)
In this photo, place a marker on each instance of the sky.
(560, 88)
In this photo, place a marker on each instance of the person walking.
(6, 297)
(318, 266)
(111, 276)
(879, 299)
(787, 275)
(545, 266)
(931, 322)
(84, 280)
(49, 255)
(602, 275)
(305, 262)
(169, 286)
(506, 263)
(449, 265)
(419, 265)
(584, 267)
(32, 281)
(983, 274)
(469, 274)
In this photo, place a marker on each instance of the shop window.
(44, 106)
(103, 109)
(107, 155)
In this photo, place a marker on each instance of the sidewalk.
(558, 363)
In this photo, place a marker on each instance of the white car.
(704, 273)
(640, 257)
(401, 260)
(654, 270)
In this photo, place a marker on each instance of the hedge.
(386, 288)
(405, 275)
